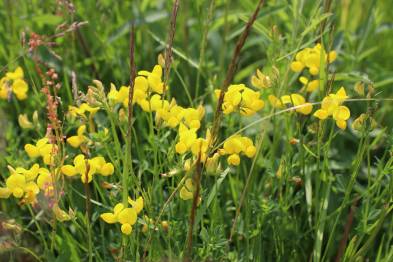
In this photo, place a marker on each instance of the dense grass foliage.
(280, 149)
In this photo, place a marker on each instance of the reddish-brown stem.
(347, 229)
(168, 51)
(197, 182)
(232, 69)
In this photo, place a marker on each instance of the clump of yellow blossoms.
(86, 168)
(148, 90)
(241, 98)
(236, 145)
(13, 82)
(27, 183)
(310, 58)
(332, 106)
(41, 149)
(126, 216)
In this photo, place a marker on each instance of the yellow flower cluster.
(296, 100)
(26, 183)
(86, 168)
(241, 98)
(236, 145)
(126, 216)
(148, 89)
(42, 149)
(13, 82)
(188, 141)
(310, 58)
(146, 84)
(332, 106)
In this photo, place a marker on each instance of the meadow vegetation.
(207, 130)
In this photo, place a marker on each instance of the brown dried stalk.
(197, 182)
(347, 229)
(168, 51)
(232, 69)
(132, 81)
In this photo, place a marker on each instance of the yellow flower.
(241, 98)
(260, 80)
(137, 204)
(187, 191)
(275, 101)
(13, 83)
(21, 184)
(234, 146)
(310, 86)
(311, 58)
(45, 181)
(60, 214)
(332, 106)
(41, 149)
(20, 88)
(86, 168)
(300, 102)
(212, 163)
(126, 216)
(234, 159)
(24, 122)
(76, 141)
(17, 74)
(187, 137)
(192, 117)
(82, 109)
(154, 79)
(171, 114)
(321, 114)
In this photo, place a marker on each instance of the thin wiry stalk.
(130, 111)
(173, 194)
(168, 51)
(232, 69)
(347, 228)
(128, 156)
(197, 182)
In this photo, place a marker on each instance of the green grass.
(327, 197)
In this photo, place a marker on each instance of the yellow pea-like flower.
(20, 88)
(126, 229)
(275, 102)
(137, 204)
(24, 122)
(234, 159)
(76, 141)
(109, 218)
(13, 82)
(187, 191)
(321, 114)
